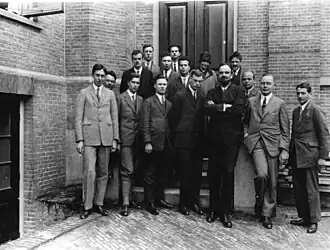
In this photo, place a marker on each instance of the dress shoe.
(312, 228)
(124, 211)
(85, 213)
(299, 222)
(152, 209)
(226, 221)
(135, 204)
(183, 209)
(196, 209)
(211, 217)
(163, 204)
(99, 209)
(267, 223)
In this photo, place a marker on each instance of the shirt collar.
(160, 97)
(168, 72)
(304, 105)
(95, 87)
(224, 88)
(249, 90)
(191, 90)
(138, 71)
(130, 93)
(267, 98)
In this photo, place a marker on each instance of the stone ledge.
(20, 19)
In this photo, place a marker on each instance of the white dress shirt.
(132, 95)
(267, 98)
(161, 98)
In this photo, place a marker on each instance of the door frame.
(156, 17)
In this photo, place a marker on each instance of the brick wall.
(144, 24)
(28, 48)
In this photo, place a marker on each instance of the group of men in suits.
(173, 112)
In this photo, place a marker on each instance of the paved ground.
(171, 230)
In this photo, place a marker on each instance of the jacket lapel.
(159, 105)
(269, 105)
(92, 92)
(258, 106)
(304, 112)
(190, 97)
(129, 101)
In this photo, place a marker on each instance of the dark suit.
(153, 68)
(155, 130)
(309, 142)
(175, 86)
(186, 119)
(96, 124)
(129, 124)
(146, 88)
(268, 133)
(237, 79)
(225, 133)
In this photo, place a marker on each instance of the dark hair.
(165, 53)
(237, 55)
(98, 67)
(159, 76)
(174, 45)
(225, 64)
(111, 73)
(133, 75)
(147, 46)
(184, 58)
(136, 52)
(196, 72)
(305, 85)
(205, 56)
(252, 71)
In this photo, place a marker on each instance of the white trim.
(325, 81)
(155, 28)
(21, 168)
(235, 29)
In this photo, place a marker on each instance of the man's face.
(195, 82)
(184, 67)
(134, 84)
(175, 53)
(204, 65)
(137, 61)
(98, 77)
(247, 80)
(302, 95)
(267, 85)
(166, 61)
(161, 86)
(235, 63)
(109, 81)
(148, 54)
(225, 75)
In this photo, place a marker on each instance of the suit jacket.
(186, 119)
(173, 75)
(237, 79)
(175, 86)
(225, 127)
(154, 68)
(272, 126)
(146, 88)
(253, 92)
(129, 118)
(154, 122)
(96, 123)
(309, 137)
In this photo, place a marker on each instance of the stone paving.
(171, 230)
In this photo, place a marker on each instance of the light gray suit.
(268, 133)
(96, 124)
(129, 125)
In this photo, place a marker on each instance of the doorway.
(9, 167)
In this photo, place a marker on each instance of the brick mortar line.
(62, 233)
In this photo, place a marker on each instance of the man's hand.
(210, 102)
(114, 146)
(80, 147)
(225, 106)
(321, 162)
(284, 156)
(148, 148)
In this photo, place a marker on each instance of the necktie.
(98, 94)
(195, 95)
(133, 98)
(300, 113)
(163, 99)
(264, 105)
(174, 67)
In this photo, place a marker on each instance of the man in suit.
(235, 61)
(146, 88)
(180, 82)
(148, 63)
(96, 127)
(110, 79)
(210, 78)
(166, 67)
(248, 81)
(129, 110)
(186, 120)
(175, 52)
(309, 148)
(156, 138)
(267, 137)
(224, 104)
